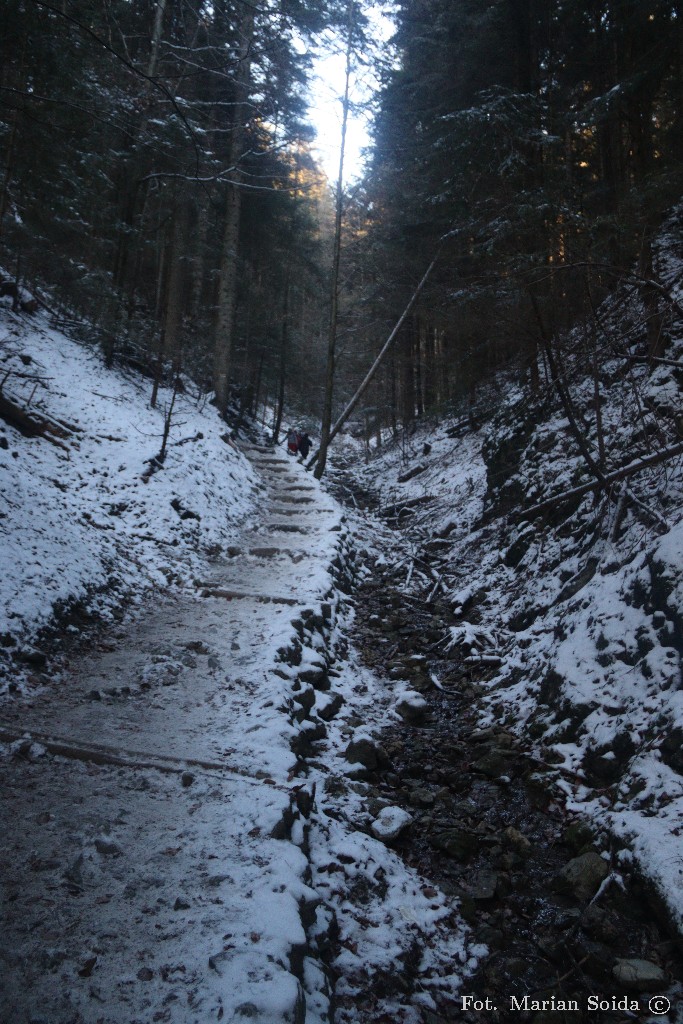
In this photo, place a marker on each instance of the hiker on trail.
(304, 444)
(292, 442)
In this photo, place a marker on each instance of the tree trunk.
(334, 297)
(9, 163)
(284, 344)
(369, 376)
(156, 38)
(228, 277)
(175, 289)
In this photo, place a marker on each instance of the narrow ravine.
(573, 934)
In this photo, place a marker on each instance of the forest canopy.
(158, 182)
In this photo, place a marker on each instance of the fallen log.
(410, 473)
(31, 424)
(405, 506)
(618, 474)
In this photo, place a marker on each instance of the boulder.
(413, 708)
(458, 843)
(582, 876)
(365, 751)
(639, 975)
(390, 823)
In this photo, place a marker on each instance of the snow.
(96, 530)
(169, 847)
(580, 627)
(578, 632)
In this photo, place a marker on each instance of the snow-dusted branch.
(154, 82)
(618, 474)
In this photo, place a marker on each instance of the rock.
(455, 753)
(305, 800)
(419, 797)
(198, 646)
(494, 763)
(578, 835)
(330, 707)
(519, 547)
(513, 838)
(28, 750)
(490, 936)
(181, 904)
(578, 582)
(316, 676)
(302, 743)
(582, 876)
(187, 778)
(86, 970)
(249, 1010)
(482, 885)
(107, 848)
(375, 803)
(456, 842)
(363, 751)
(639, 975)
(73, 875)
(33, 658)
(390, 823)
(145, 974)
(602, 925)
(305, 698)
(413, 708)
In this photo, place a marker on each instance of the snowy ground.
(166, 854)
(79, 520)
(577, 632)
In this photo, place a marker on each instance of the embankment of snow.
(84, 524)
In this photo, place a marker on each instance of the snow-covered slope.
(573, 617)
(84, 523)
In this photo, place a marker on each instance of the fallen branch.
(31, 424)
(196, 437)
(391, 511)
(410, 473)
(650, 359)
(618, 474)
(432, 593)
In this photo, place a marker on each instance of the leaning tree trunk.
(369, 376)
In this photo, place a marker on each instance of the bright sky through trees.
(327, 91)
(326, 115)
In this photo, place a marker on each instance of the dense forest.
(158, 182)
(157, 179)
(541, 142)
(404, 745)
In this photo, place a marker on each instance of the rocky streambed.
(572, 932)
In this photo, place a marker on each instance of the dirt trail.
(141, 792)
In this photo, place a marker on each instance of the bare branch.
(664, 455)
(154, 82)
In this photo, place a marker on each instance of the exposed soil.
(490, 829)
